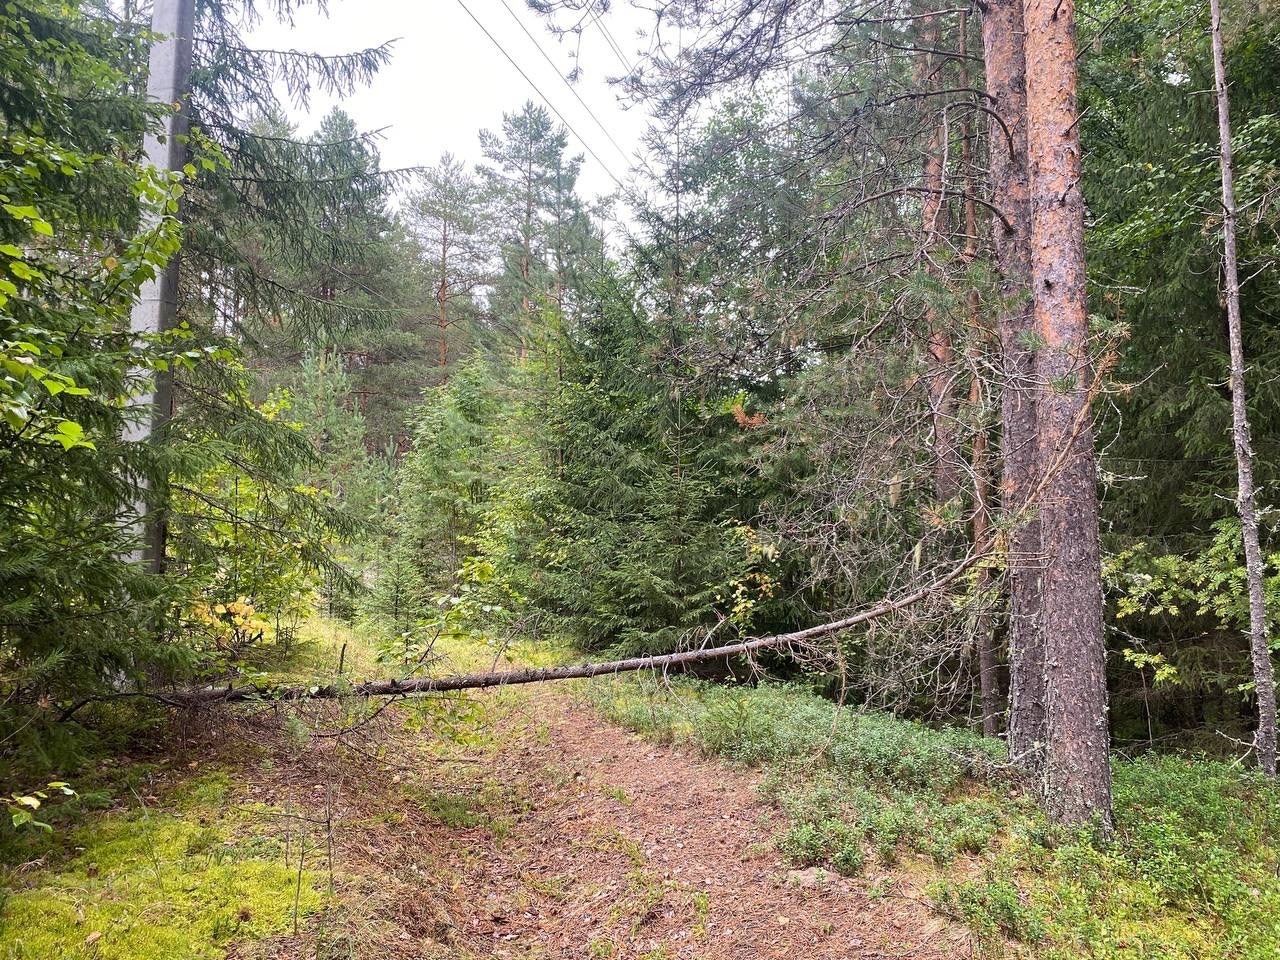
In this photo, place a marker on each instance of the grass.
(489, 805)
(701, 905)
(617, 793)
(158, 861)
(142, 884)
(1193, 870)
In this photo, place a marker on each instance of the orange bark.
(1077, 760)
(1004, 53)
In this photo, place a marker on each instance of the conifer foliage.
(913, 300)
(85, 223)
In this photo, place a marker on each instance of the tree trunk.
(1264, 677)
(442, 300)
(1077, 771)
(1004, 53)
(984, 634)
(799, 640)
(526, 259)
(934, 227)
(983, 627)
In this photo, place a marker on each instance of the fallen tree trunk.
(505, 678)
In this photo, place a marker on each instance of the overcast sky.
(447, 80)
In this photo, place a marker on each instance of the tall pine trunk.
(1077, 773)
(1004, 54)
(1264, 677)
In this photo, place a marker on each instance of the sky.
(447, 80)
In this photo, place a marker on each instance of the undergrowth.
(160, 861)
(1191, 873)
(144, 883)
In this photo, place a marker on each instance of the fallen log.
(505, 678)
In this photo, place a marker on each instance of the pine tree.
(1077, 785)
(448, 221)
(526, 175)
(1003, 39)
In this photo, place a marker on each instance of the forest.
(853, 533)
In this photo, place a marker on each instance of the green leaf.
(70, 434)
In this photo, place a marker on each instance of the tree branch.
(506, 678)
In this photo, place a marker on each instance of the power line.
(598, 20)
(551, 63)
(534, 86)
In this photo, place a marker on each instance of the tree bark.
(1264, 677)
(1004, 53)
(988, 674)
(984, 632)
(442, 299)
(1077, 774)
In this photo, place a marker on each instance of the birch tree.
(1264, 678)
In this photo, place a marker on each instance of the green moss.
(145, 885)
(208, 790)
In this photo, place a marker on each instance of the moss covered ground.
(260, 833)
(184, 875)
(254, 832)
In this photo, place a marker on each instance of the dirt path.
(629, 849)
(561, 835)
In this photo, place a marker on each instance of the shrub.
(993, 908)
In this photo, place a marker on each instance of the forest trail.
(656, 850)
(569, 837)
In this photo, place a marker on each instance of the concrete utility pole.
(167, 82)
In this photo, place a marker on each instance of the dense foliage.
(83, 227)
(85, 224)
(734, 423)
(725, 426)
